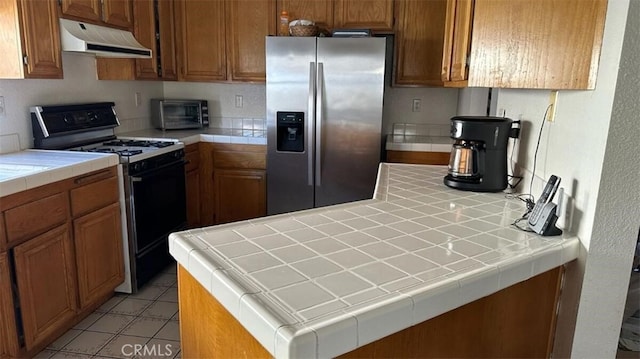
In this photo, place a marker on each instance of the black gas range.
(153, 179)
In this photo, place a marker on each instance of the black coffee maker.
(478, 160)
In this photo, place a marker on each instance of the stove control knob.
(136, 166)
(92, 116)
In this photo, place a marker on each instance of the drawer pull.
(93, 177)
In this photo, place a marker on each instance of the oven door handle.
(154, 170)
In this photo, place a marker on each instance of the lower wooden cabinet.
(61, 257)
(98, 244)
(419, 158)
(45, 273)
(241, 194)
(8, 336)
(192, 184)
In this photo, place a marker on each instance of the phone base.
(546, 224)
(551, 229)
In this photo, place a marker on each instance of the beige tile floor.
(141, 325)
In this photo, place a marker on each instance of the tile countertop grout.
(321, 282)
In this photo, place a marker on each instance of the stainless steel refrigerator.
(324, 120)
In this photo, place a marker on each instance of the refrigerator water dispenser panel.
(290, 131)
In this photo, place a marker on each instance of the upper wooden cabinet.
(536, 44)
(376, 15)
(154, 28)
(318, 11)
(542, 44)
(364, 14)
(200, 38)
(418, 42)
(115, 13)
(30, 43)
(457, 42)
(248, 22)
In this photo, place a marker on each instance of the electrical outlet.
(238, 101)
(2, 111)
(553, 102)
(417, 103)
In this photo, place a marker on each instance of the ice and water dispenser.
(290, 134)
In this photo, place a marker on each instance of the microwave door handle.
(319, 106)
(311, 110)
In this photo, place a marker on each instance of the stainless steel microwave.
(179, 114)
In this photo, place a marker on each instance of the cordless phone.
(542, 218)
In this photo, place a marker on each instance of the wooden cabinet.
(63, 258)
(200, 38)
(241, 194)
(536, 43)
(8, 335)
(419, 41)
(319, 11)
(248, 22)
(233, 182)
(417, 157)
(115, 13)
(98, 244)
(501, 43)
(156, 33)
(376, 15)
(457, 42)
(45, 273)
(31, 40)
(192, 184)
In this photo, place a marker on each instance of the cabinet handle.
(93, 177)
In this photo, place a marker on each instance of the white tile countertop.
(217, 135)
(418, 143)
(20, 171)
(322, 282)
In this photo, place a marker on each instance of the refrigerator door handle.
(312, 121)
(319, 108)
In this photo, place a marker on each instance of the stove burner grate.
(138, 143)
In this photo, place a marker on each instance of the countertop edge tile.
(58, 166)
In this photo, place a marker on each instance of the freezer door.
(290, 94)
(350, 87)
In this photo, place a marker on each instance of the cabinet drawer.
(94, 196)
(33, 218)
(233, 159)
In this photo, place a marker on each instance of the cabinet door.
(457, 42)
(40, 39)
(144, 30)
(420, 30)
(536, 43)
(81, 9)
(248, 22)
(201, 40)
(240, 194)
(8, 336)
(45, 273)
(168, 65)
(364, 14)
(98, 244)
(117, 13)
(192, 179)
(319, 11)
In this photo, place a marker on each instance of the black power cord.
(528, 198)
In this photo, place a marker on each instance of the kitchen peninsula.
(442, 269)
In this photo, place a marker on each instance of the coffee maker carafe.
(478, 160)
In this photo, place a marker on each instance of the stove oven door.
(158, 207)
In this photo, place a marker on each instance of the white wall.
(79, 85)
(574, 147)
